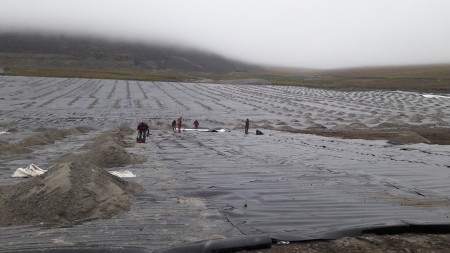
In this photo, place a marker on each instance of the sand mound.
(49, 136)
(241, 125)
(407, 137)
(12, 149)
(263, 121)
(108, 150)
(358, 126)
(117, 136)
(160, 125)
(315, 126)
(388, 125)
(265, 126)
(43, 137)
(286, 128)
(67, 193)
(342, 127)
(374, 121)
(111, 154)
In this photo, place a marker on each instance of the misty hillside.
(75, 52)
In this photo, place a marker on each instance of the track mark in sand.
(172, 97)
(204, 94)
(159, 104)
(197, 91)
(96, 90)
(62, 95)
(29, 104)
(225, 107)
(58, 86)
(74, 100)
(27, 86)
(204, 106)
(142, 90)
(92, 105)
(43, 95)
(63, 82)
(128, 90)
(111, 93)
(137, 103)
(116, 104)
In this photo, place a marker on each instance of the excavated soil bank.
(395, 136)
(67, 193)
(7, 148)
(49, 136)
(374, 244)
(77, 188)
(108, 150)
(42, 136)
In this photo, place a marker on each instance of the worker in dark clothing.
(174, 125)
(143, 129)
(196, 124)
(247, 124)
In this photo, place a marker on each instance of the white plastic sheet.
(31, 171)
(124, 173)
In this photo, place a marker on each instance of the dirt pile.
(49, 136)
(67, 193)
(407, 137)
(403, 136)
(108, 150)
(77, 188)
(374, 244)
(7, 148)
(41, 137)
(110, 154)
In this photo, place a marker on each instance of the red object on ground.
(140, 140)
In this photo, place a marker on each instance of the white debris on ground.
(31, 171)
(123, 174)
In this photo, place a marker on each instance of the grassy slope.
(98, 73)
(424, 78)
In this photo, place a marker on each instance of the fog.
(297, 33)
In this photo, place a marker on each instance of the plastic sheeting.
(289, 186)
(123, 173)
(225, 245)
(201, 185)
(31, 170)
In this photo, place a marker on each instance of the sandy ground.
(376, 244)
(201, 186)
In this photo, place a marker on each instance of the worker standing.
(143, 130)
(196, 124)
(180, 120)
(247, 124)
(174, 125)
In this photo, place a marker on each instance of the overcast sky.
(299, 33)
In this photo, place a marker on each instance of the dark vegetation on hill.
(64, 56)
(52, 51)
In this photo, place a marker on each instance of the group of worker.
(176, 124)
(144, 130)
